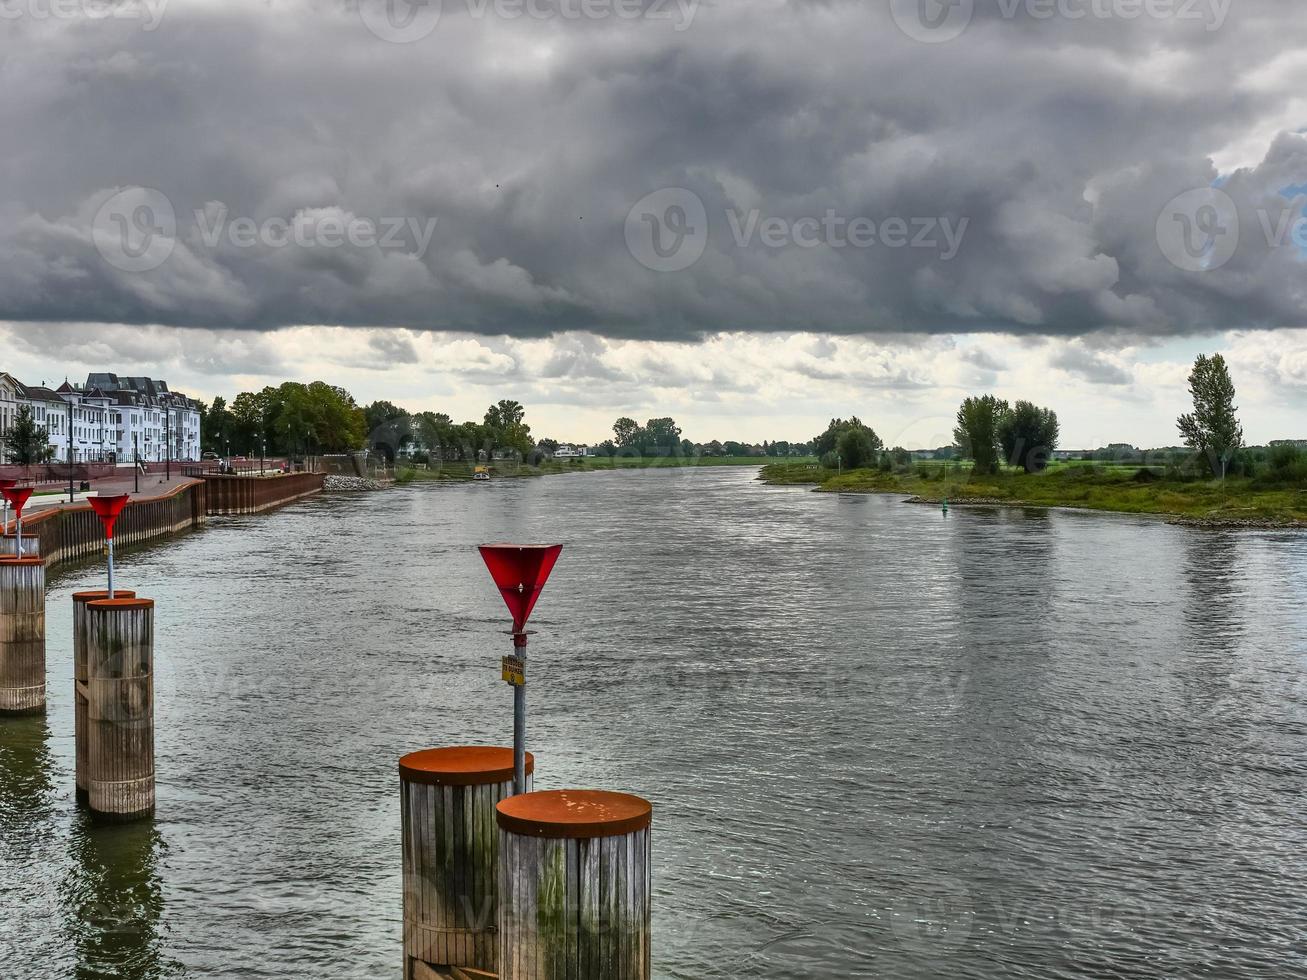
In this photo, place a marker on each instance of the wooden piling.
(9, 545)
(81, 629)
(22, 636)
(451, 853)
(574, 886)
(120, 708)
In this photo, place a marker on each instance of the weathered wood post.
(9, 545)
(120, 708)
(574, 885)
(81, 630)
(451, 852)
(22, 636)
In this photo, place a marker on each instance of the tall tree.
(1028, 435)
(627, 433)
(27, 443)
(979, 419)
(663, 435)
(1212, 428)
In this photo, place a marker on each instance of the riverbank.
(588, 464)
(1239, 503)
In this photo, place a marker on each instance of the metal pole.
(70, 452)
(18, 541)
(167, 428)
(136, 464)
(519, 719)
(112, 594)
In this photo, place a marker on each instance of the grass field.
(1091, 487)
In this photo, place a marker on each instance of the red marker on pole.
(520, 572)
(108, 509)
(17, 498)
(7, 484)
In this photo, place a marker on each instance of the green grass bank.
(1122, 489)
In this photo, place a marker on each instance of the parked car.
(209, 456)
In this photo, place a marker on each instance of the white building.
(109, 419)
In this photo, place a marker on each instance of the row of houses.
(107, 419)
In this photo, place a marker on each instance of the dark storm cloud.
(481, 177)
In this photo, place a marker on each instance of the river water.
(881, 741)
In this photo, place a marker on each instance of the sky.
(751, 215)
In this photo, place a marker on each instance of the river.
(881, 741)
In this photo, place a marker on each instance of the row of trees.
(289, 419)
(989, 432)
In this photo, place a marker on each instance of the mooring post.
(120, 708)
(574, 886)
(451, 855)
(22, 636)
(81, 696)
(9, 545)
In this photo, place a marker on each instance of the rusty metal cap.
(132, 603)
(25, 560)
(461, 765)
(94, 595)
(574, 813)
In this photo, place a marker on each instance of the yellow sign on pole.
(514, 671)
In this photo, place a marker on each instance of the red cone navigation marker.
(108, 509)
(6, 484)
(520, 572)
(17, 498)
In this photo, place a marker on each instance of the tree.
(216, 426)
(1028, 435)
(826, 442)
(856, 447)
(435, 431)
(388, 426)
(662, 435)
(977, 431)
(27, 443)
(506, 428)
(1212, 429)
(627, 433)
(547, 446)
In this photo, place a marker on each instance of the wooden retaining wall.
(72, 532)
(255, 494)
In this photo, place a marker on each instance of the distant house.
(565, 451)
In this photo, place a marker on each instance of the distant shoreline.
(1205, 504)
(505, 469)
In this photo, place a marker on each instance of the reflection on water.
(112, 901)
(882, 741)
